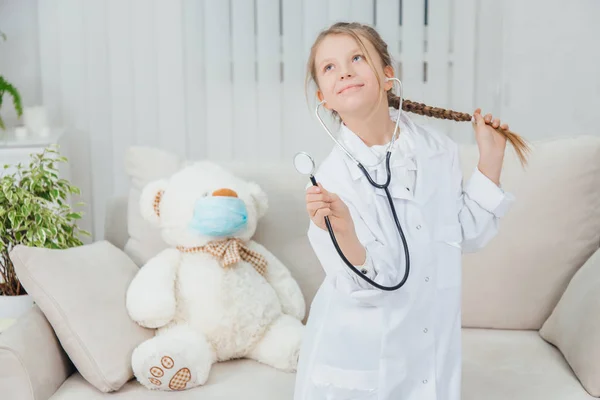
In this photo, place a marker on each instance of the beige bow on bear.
(231, 251)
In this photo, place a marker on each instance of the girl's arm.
(362, 249)
(482, 202)
(481, 205)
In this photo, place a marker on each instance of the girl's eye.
(327, 67)
(357, 57)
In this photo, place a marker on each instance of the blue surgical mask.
(219, 216)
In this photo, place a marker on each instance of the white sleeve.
(378, 265)
(481, 205)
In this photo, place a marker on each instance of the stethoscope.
(305, 164)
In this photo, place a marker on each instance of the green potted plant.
(7, 88)
(34, 211)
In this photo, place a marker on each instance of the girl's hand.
(321, 203)
(491, 144)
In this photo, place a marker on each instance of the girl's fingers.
(504, 127)
(313, 190)
(496, 122)
(479, 119)
(321, 188)
(317, 205)
(322, 213)
(314, 197)
(487, 118)
(319, 197)
(317, 190)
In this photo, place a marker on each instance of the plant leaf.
(75, 215)
(41, 233)
(12, 214)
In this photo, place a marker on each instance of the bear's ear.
(260, 198)
(150, 200)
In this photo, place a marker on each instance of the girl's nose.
(225, 192)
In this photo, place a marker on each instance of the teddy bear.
(213, 294)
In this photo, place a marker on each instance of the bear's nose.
(225, 192)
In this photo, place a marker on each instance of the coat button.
(426, 279)
(425, 330)
(364, 271)
(424, 381)
(418, 226)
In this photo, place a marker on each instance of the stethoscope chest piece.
(305, 165)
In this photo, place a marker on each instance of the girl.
(362, 342)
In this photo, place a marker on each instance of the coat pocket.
(344, 384)
(448, 249)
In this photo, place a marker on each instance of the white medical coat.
(364, 343)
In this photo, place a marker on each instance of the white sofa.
(510, 289)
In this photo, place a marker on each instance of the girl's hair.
(356, 30)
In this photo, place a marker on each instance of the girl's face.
(345, 80)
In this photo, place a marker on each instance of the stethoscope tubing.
(385, 187)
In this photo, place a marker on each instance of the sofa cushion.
(144, 165)
(282, 230)
(515, 365)
(552, 229)
(33, 365)
(497, 365)
(574, 325)
(81, 291)
(239, 379)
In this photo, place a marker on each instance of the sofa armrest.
(115, 221)
(33, 364)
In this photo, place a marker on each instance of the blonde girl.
(362, 342)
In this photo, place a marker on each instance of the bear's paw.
(178, 379)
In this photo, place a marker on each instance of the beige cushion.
(515, 365)
(553, 228)
(144, 165)
(81, 291)
(497, 365)
(240, 379)
(32, 363)
(282, 230)
(574, 325)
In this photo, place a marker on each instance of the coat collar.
(413, 149)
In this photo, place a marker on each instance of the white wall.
(19, 54)
(222, 80)
(551, 67)
(216, 79)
